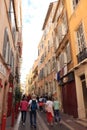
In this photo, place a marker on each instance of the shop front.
(69, 100)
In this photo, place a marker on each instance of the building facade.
(78, 33)
(46, 55)
(71, 55)
(10, 53)
(64, 59)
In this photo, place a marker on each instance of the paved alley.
(67, 123)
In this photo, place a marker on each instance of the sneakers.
(48, 123)
(51, 124)
(56, 123)
(34, 126)
(31, 126)
(23, 124)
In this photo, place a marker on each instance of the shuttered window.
(80, 38)
(68, 52)
(6, 47)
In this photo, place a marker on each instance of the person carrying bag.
(33, 106)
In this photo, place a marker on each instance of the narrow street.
(43, 57)
(67, 123)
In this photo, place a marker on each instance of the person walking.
(23, 108)
(40, 103)
(49, 111)
(56, 106)
(33, 105)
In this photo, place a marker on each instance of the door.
(84, 88)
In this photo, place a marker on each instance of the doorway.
(84, 88)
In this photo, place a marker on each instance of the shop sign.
(2, 69)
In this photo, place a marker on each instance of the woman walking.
(49, 111)
(23, 108)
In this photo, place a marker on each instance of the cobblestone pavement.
(67, 123)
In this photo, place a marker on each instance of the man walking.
(33, 107)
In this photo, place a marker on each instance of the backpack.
(33, 105)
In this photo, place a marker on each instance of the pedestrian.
(33, 105)
(49, 111)
(56, 107)
(41, 104)
(23, 108)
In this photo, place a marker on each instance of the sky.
(33, 16)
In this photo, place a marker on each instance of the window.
(68, 52)
(80, 38)
(61, 59)
(64, 24)
(45, 70)
(75, 2)
(60, 32)
(6, 47)
(53, 62)
(57, 65)
(5, 43)
(48, 45)
(60, 9)
(42, 59)
(12, 20)
(49, 67)
(57, 41)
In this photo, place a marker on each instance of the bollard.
(3, 125)
(12, 118)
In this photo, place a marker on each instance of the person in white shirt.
(49, 111)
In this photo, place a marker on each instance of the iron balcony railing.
(82, 55)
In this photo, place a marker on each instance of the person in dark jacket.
(33, 114)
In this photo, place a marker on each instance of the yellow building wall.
(75, 18)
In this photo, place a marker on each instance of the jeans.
(57, 115)
(23, 116)
(33, 118)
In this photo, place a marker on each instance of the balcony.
(82, 55)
